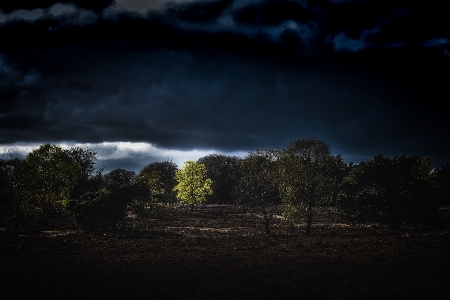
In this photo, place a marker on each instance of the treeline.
(303, 177)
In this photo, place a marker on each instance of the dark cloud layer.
(10, 6)
(366, 76)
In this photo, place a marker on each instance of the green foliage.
(390, 191)
(305, 178)
(224, 171)
(88, 171)
(193, 184)
(151, 180)
(44, 179)
(166, 172)
(256, 188)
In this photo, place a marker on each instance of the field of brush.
(222, 252)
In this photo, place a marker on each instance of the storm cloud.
(367, 77)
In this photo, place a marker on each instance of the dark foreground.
(221, 252)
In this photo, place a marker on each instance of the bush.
(102, 210)
(390, 191)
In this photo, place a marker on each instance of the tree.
(224, 171)
(256, 188)
(44, 179)
(193, 184)
(390, 191)
(119, 177)
(88, 171)
(443, 183)
(103, 209)
(9, 204)
(151, 180)
(304, 177)
(166, 170)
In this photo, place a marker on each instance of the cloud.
(11, 6)
(224, 75)
(437, 42)
(113, 155)
(342, 42)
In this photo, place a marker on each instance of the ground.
(222, 252)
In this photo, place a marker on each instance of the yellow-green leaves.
(193, 184)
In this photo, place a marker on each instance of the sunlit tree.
(193, 184)
(44, 179)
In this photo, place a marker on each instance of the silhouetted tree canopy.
(120, 177)
(89, 174)
(44, 179)
(256, 188)
(166, 171)
(224, 171)
(305, 177)
(443, 184)
(9, 204)
(390, 191)
(103, 209)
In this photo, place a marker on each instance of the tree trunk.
(266, 225)
(192, 207)
(309, 220)
(114, 227)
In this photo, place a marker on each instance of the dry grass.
(222, 252)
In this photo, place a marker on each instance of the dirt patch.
(222, 252)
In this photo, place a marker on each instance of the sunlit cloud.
(128, 155)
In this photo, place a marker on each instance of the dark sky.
(178, 79)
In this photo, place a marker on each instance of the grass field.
(222, 252)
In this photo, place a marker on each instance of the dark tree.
(305, 177)
(88, 171)
(390, 191)
(166, 171)
(103, 209)
(256, 188)
(44, 179)
(224, 171)
(9, 203)
(338, 170)
(443, 184)
(119, 177)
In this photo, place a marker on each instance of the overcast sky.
(142, 81)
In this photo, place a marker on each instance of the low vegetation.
(279, 223)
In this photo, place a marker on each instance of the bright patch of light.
(141, 154)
